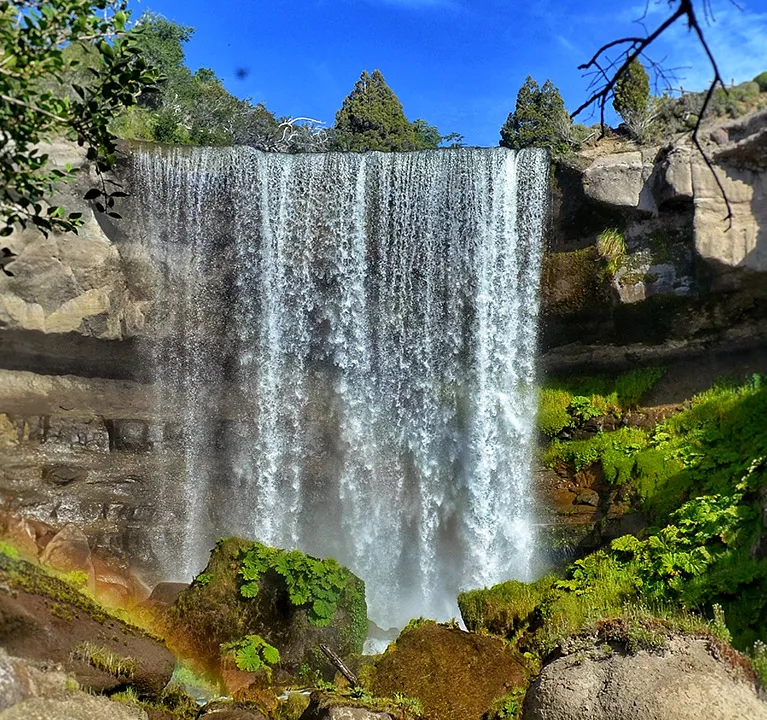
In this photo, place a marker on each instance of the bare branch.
(606, 72)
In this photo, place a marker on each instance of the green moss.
(573, 281)
(616, 451)
(416, 623)
(354, 600)
(611, 246)
(566, 402)
(35, 580)
(9, 550)
(292, 707)
(504, 609)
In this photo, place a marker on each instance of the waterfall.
(351, 340)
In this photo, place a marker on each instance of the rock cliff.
(688, 278)
(79, 426)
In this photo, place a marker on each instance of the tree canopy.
(539, 119)
(189, 108)
(371, 118)
(632, 90)
(42, 46)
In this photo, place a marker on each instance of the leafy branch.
(36, 42)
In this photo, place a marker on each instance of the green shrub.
(700, 476)
(632, 91)
(508, 706)
(412, 706)
(759, 661)
(583, 409)
(761, 81)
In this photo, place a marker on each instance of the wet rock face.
(682, 682)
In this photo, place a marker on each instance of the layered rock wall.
(693, 275)
(82, 438)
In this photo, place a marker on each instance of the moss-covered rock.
(288, 601)
(454, 674)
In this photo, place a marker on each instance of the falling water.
(352, 348)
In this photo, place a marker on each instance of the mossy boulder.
(454, 674)
(253, 596)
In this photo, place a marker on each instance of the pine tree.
(539, 119)
(371, 118)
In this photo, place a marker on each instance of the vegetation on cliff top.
(371, 118)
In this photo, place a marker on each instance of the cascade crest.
(352, 343)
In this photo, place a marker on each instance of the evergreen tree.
(190, 108)
(539, 119)
(371, 118)
(426, 137)
(632, 92)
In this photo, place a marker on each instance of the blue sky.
(456, 63)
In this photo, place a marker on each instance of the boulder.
(227, 710)
(20, 680)
(323, 707)
(75, 706)
(587, 497)
(214, 611)
(455, 674)
(683, 681)
(619, 180)
(117, 586)
(39, 691)
(164, 594)
(69, 551)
